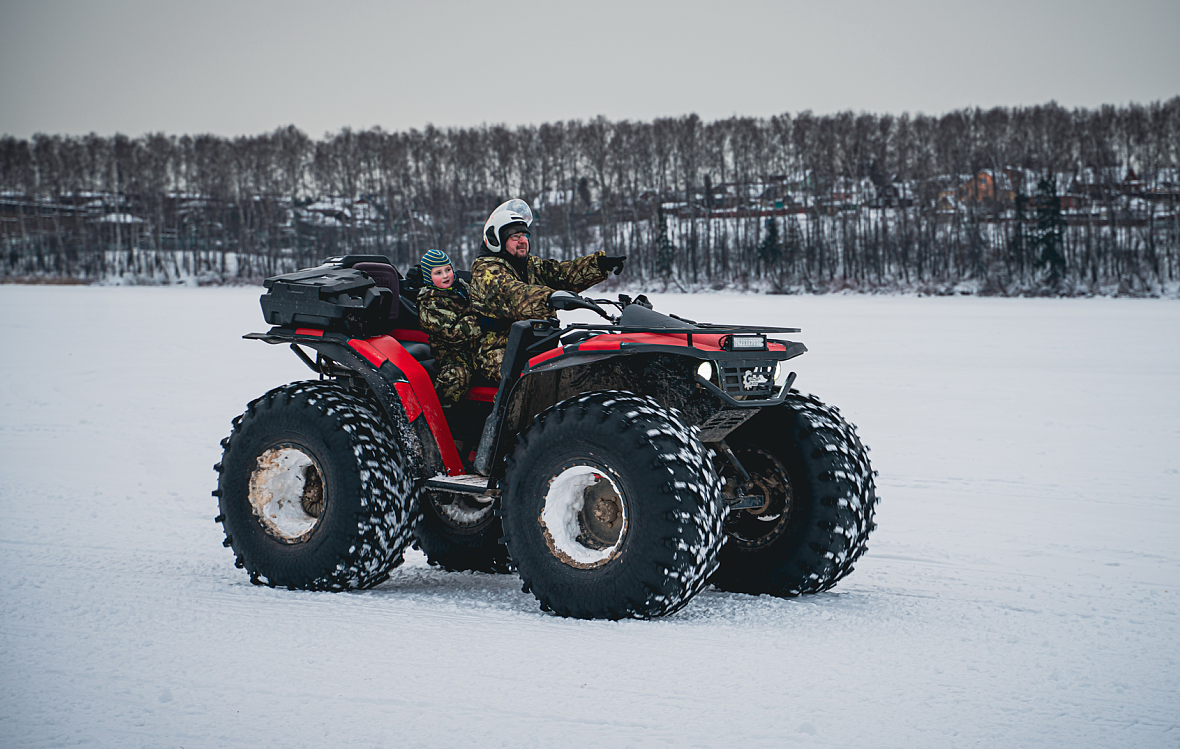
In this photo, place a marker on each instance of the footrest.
(468, 483)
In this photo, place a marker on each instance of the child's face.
(442, 276)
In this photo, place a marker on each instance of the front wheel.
(611, 508)
(820, 499)
(314, 492)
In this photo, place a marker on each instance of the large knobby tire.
(459, 533)
(611, 508)
(815, 472)
(315, 494)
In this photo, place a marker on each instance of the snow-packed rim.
(461, 510)
(585, 516)
(287, 492)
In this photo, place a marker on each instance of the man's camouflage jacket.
(498, 291)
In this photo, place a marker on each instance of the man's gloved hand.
(607, 264)
(566, 300)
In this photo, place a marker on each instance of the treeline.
(1026, 200)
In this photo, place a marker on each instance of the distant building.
(987, 187)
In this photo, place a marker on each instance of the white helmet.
(506, 216)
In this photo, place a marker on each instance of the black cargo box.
(329, 298)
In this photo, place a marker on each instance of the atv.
(618, 467)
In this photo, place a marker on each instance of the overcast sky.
(242, 67)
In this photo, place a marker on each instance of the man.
(509, 284)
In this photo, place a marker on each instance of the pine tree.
(1049, 235)
(770, 251)
(1018, 241)
(665, 251)
(792, 244)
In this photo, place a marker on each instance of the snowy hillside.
(1023, 588)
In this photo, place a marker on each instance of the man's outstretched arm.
(576, 275)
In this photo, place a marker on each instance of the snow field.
(1021, 590)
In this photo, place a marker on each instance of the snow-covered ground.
(1023, 588)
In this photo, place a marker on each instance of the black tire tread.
(843, 502)
(483, 552)
(388, 500)
(688, 494)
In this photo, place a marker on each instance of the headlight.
(705, 370)
(780, 374)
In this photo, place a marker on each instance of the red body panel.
(409, 400)
(703, 341)
(388, 348)
(413, 336)
(546, 356)
(615, 342)
(609, 342)
(482, 393)
(375, 357)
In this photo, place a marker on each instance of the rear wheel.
(815, 474)
(611, 509)
(458, 532)
(313, 491)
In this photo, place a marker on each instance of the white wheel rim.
(463, 513)
(282, 477)
(561, 518)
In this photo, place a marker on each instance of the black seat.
(431, 367)
(384, 275)
(420, 351)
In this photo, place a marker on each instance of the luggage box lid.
(330, 281)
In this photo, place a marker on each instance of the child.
(444, 309)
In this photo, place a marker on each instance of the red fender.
(423, 400)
